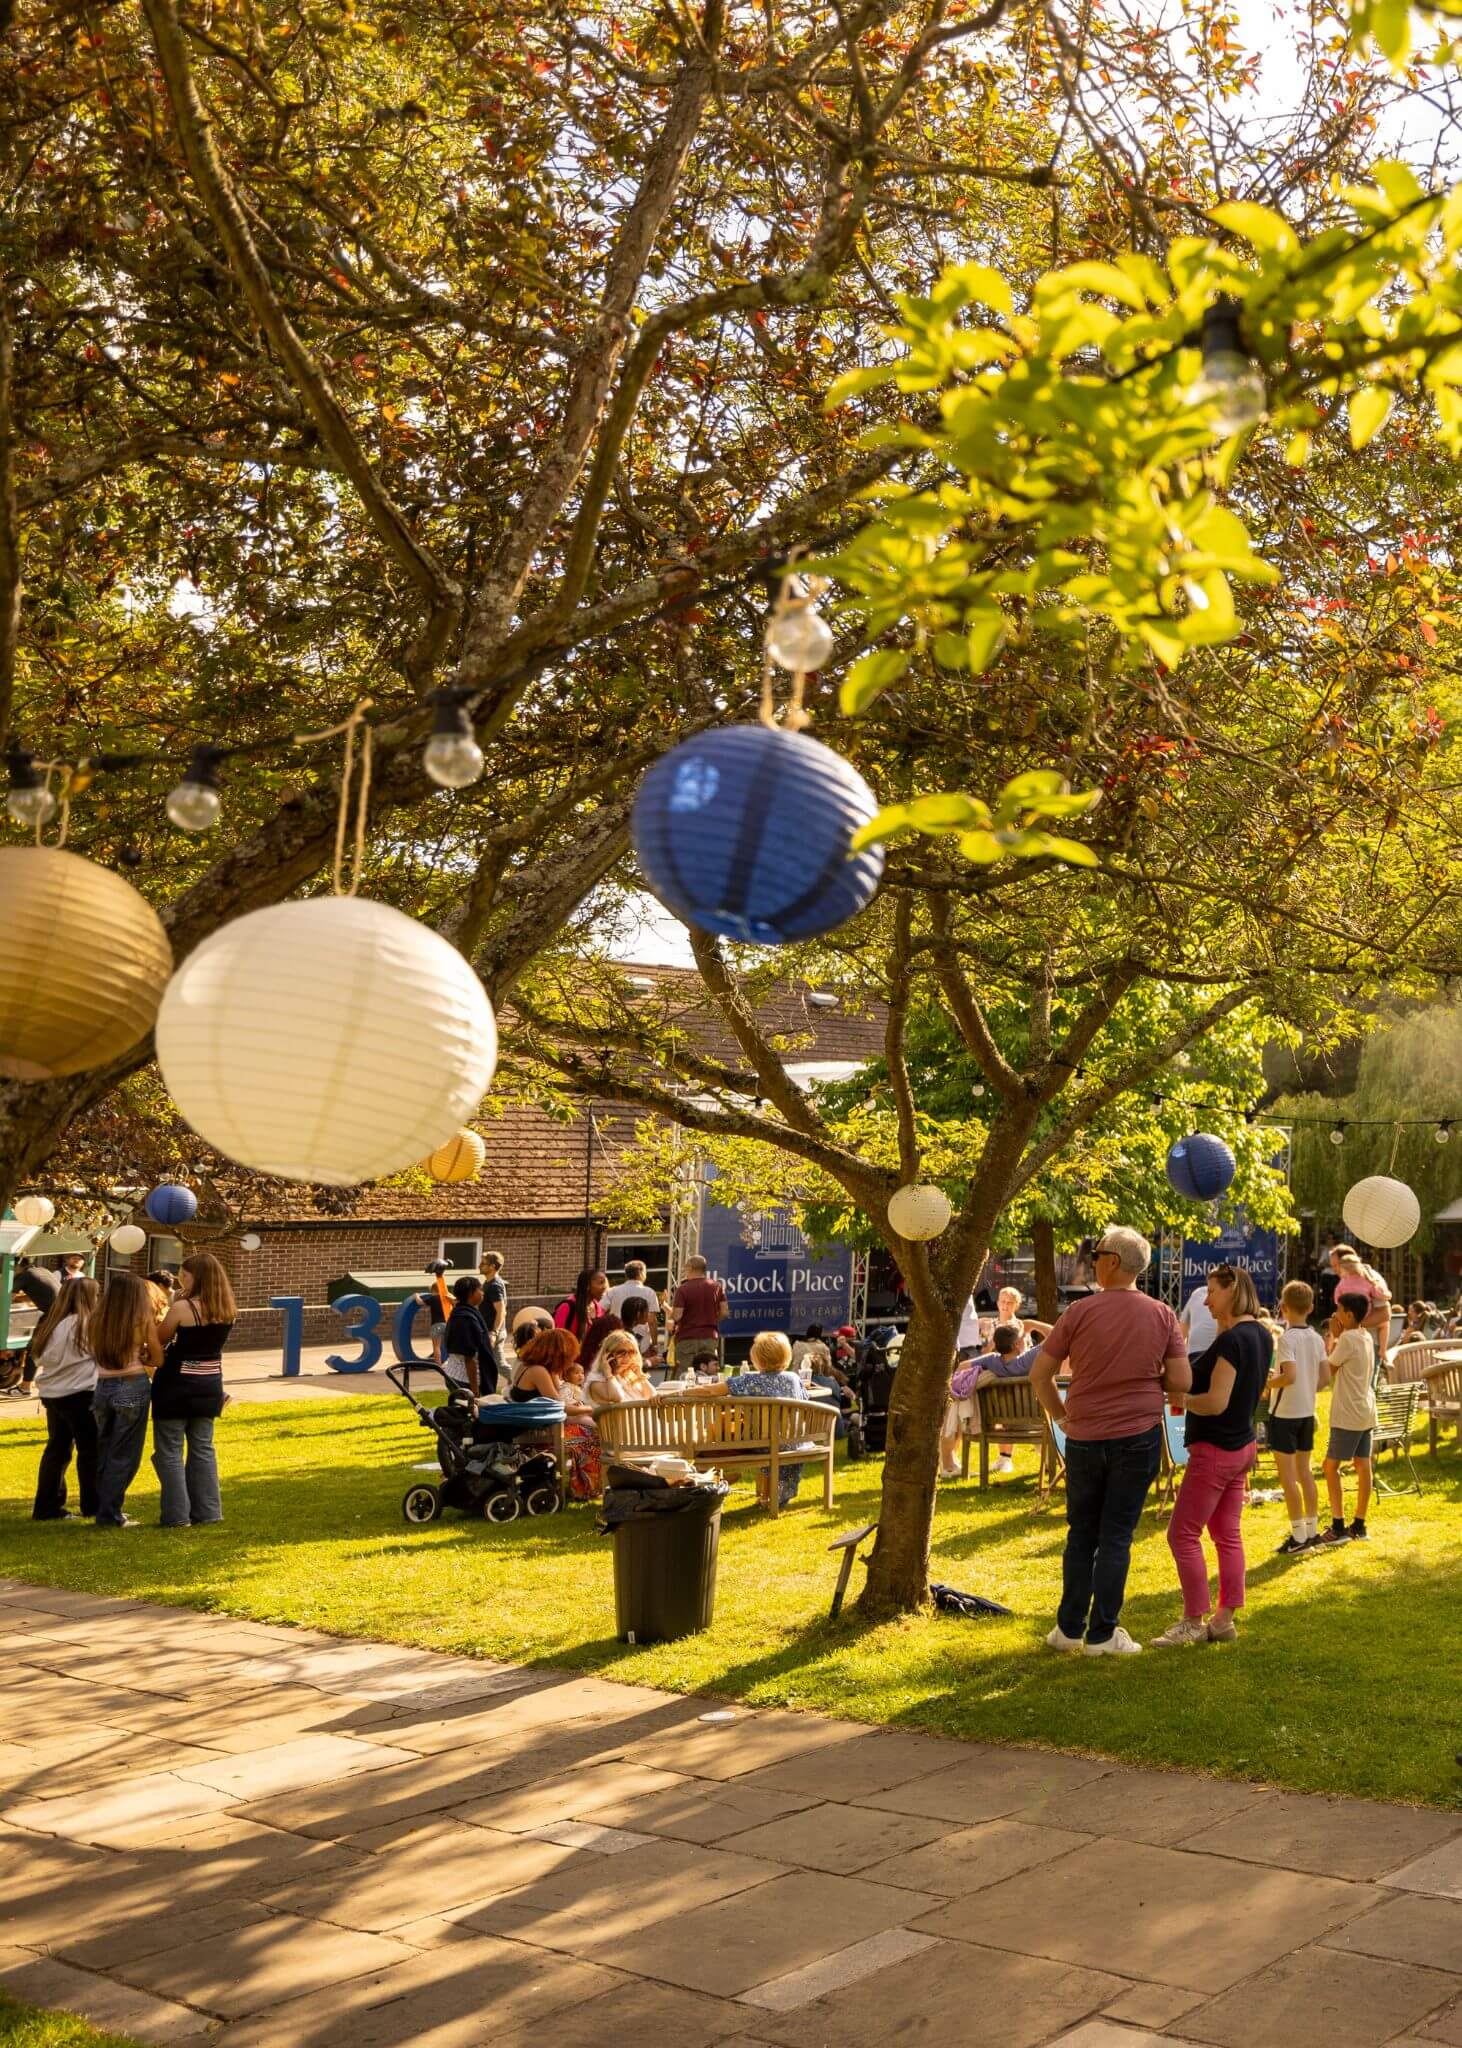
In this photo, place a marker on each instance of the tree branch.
(968, 1015)
(11, 575)
(893, 1037)
(776, 1083)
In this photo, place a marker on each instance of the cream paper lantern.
(333, 1041)
(86, 961)
(1382, 1212)
(919, 1211)
(461, 1158)
(35, 1211)
(127, 1239)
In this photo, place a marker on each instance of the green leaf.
(1369, 410)
(853, 382)
(1074, 851)
(982, 847)
(888, 823)
(1267, 230)
(871, 674)
(948, 812)
(1104, 278)
(1390, 25)
(1034, 784)
(984, 637)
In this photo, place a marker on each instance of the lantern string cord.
(1395, 1148)
(351, 727)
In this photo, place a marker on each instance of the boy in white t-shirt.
(1299, 1373)
(1352, 1360)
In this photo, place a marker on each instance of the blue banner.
(772, 1280)
(1236, 1245)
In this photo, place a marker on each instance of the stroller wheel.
(543, 1500)
(422, 1504)
(501, 1507)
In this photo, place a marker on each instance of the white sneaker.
(1181, 1634)
(1057, 1640)
(1119, 1645)
(1005, 1464)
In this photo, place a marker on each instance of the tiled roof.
(537, 1164)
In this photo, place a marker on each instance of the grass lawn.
(1345, 1679)
(27, 2026)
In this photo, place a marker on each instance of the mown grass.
(1345, 1679)
(28, 2026)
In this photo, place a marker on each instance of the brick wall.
(542, 1260)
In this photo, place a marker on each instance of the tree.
(360, 351)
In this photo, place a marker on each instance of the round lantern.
(459, 1159)
(35, 1211)
(1382, 1212)
(1200, 1167)
(332, 1041)
(746, 832)
(128, 1239)
(250, 1241)
(171, 1203)
(919, 1211)
(87, 961)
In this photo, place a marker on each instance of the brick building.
(540, 1198)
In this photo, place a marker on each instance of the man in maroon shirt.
(1124, 1352)
(696, 1310)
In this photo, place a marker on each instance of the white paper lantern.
(127, 1239)
(35, 1210)
(919, 1211)
(332, 1041)
(85, 960)
(1382, 1212)
(250, 1241)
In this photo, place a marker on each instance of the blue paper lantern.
(171, 1204)
(746, 832)
(1200, 1167)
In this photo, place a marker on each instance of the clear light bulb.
(1442, 1135)
(453, 759)
(800, 640)
(31, 805)
(1230, 381)
(194, 806)
(1337, 1135)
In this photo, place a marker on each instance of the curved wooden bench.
(728, 1430)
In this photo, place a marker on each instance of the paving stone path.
(284, 1840)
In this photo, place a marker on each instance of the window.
(655, 1251)
(462, 1254)
(164, 1251)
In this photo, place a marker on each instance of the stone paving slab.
(361, 1845)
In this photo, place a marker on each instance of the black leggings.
(70, 1426)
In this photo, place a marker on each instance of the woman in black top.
(1228, 1383)
(468, 1358)
(187, 1393)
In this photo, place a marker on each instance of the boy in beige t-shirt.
(1351, 1358)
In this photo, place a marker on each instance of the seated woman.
(771, 1379)
(636, 1313)
(600, 1331)
(539, 1375)
(618, 1374)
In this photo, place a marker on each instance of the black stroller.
(485, 1470)
(875, 1391)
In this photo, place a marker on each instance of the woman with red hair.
(538, 1376)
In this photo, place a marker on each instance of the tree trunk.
(1043, 1240)
(898, 1571)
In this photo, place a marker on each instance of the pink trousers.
(1211, 1497)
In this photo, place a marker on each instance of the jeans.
(70, 1425)
(120, 1407)
(1212, 1494)
(1107, 1483)
(189, 1491)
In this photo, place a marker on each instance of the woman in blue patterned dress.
(771, 1379)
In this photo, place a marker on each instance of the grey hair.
(1134, 1253)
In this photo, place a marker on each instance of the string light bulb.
(1337, 1134)
(1442, 1135)
(453, 758)
(29, 803)
(194, 805)
(1230, 382)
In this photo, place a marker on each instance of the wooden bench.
(1007, 1411)
(1444, 1399)
(728, 1430)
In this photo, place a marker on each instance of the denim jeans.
(70, 1426)
(120, 1406)
(189, 1492)
(1107, 1482)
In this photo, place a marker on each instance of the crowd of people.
(1111, 1363)
(105, 1361)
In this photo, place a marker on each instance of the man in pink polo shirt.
(1124, 1353)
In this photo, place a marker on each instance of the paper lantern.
(919, 1211)
(34, 1210)
(86, 962)
(459, 1159)
(746, 832)
(171, 1203)
(1200, 1167)
(250, 1241)
(1382, 1212)
(128, 1239)
(331, 1041)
